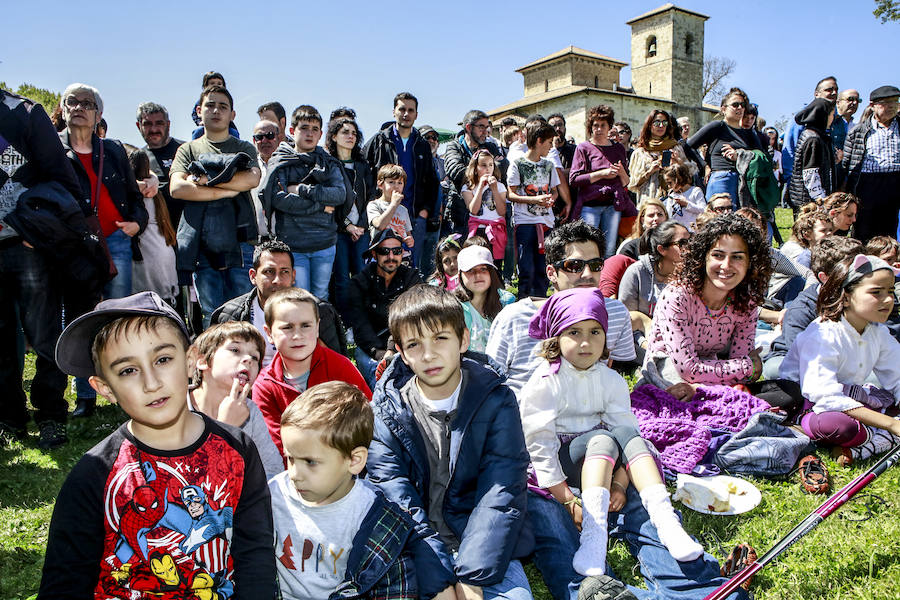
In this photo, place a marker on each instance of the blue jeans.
(513, 587)
(532, 266)
(247, 256)
(215, 287)
(314, 271)
(556, 541)
(28, 286)
(348, 261)
(607, 219)
(723, 181)
(366, 366)
(120, 250)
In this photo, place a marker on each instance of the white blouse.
(829, 354)
(571, 401)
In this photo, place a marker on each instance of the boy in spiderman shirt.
(172, 505)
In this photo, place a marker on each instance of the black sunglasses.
(385, 251)
(576, 265)
(431, 137)
(264, 136)
(682, 243)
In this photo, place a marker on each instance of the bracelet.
(573, 500)
(624, 489)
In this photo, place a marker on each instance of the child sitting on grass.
(301, 360)
(172, 503)
(339, 536)
(579, 428)
(225, 360)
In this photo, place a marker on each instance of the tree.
(49, 99)
(887, 10)
(716, 69)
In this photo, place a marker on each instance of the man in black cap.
(872, 163)
(371, 293)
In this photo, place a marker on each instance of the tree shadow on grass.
(21, 572)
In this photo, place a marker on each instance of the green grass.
(842, 559)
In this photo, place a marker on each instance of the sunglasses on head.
(576, 265)
(397, 251)
(269, 135)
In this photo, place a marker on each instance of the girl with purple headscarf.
(580, 431)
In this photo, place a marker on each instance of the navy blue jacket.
(484, 505)
(799, 313)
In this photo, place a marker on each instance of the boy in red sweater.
(301, 360)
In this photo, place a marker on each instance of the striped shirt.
(511, 346)
(882, 148)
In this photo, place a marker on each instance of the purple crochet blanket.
(681, 430)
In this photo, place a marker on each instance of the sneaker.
(52, 435)
(603, 587)
(9, 433)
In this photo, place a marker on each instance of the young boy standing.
(532, 181)
(337, 536)
(303, 186)
(225, 361)
(170, 505)
(388, 210)
(448, 447)
(301, 360)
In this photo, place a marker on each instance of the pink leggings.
(835, 428)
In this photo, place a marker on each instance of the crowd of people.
(221, 281)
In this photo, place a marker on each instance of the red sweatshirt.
(272, 394)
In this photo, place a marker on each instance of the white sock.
(680, 545)
(590, 558)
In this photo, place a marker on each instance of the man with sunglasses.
(371, 293)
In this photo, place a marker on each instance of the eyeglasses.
(73, 102)
(385, 251)
(576, 265)
(269, 135)
(737, 105)
(431, 137)
(721, 209)
(660, 123)
(682, 243)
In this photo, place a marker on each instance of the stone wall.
(652, 75)
(550, 76)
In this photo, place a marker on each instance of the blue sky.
(452, 55)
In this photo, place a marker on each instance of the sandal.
(813, 475)
(740, 557)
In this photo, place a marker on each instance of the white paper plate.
(738, 502)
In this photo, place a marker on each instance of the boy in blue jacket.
(448, 446)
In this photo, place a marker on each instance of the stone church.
(666, 73)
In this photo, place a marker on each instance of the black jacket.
(855, 152)
(813, 150)
(331, 329)
(380, 151)
(362, 188)
(118, 178)
(368, 301)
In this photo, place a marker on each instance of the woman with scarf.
(657, 147)
(813, 175)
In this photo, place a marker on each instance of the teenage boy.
(303, 186)
(532, 181)
(388, 210)
(360, 544)
(448, 447)
(217, 218)
(301, 359)
(224, 362)
(172, 503)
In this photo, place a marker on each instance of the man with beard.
(371, 293)
(153, 123)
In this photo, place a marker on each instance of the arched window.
(651, 46)
(689, 44)
(596, 81)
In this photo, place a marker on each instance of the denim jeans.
(532, 267)
(723, 181)
(28, 287)
(348, 261)
(556, 541)
(247, 251)
(215, 287)
(607, 219)
(366, 366)
(513, 587)
(314, 271)
(120, 250)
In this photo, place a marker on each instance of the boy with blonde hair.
(388, 210)
(170, 504)
(337, 536)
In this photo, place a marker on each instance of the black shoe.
(603, 587)
(9, 433)
(53, 435)
(84, 407)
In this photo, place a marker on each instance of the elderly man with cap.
(371, 293)
(872, 164)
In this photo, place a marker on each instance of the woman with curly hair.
(842, 207)
(656, 148)
(710, 309)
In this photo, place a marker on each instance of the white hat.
(472, 256)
